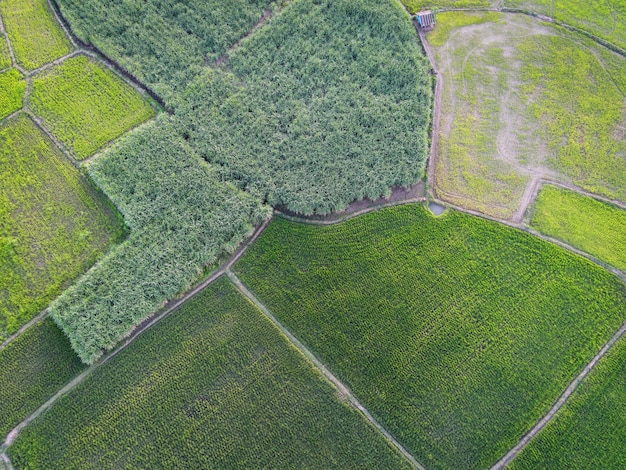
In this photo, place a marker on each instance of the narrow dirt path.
(530, 435)
(341, 388)
(267, 15)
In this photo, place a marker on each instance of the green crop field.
(588, 432)
(12, 86)
(85, 105)
(417, 5)
(53, 223)
(585, 223)
(456, 332)
(32, 368)
(35, 35)
(524, 100)
(215, 385)
(164, 44)
(5, 55)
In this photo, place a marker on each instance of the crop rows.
(5, 56)
(85, 105)
(12, 86)
(36, 37)
(590, 225)
(214, 385)
(53, 223)
(457, 333)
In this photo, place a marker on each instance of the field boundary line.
(7, 461)
(63, 27)
(58, 61)
(145, 325)
(530, 435)
(14, 63)
(345, 391)
(24, 327)
(40, 124)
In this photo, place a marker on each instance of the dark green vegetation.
(85, 105)
(181, 219)
(456, 332)
(32, 368)
(163, 43)
(329, 104)
(12, 86)
(585, 223)
(36, 37)
(214, 385)
(53, 223)
(588, 432)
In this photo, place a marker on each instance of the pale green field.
(12, 88)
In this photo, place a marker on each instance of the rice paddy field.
(33, 367)
(523, 100)
(593, 226)
(457, 333)
(588, 433)
(12, 87)
(5, 55)
(35, 35)
(54, 223)
(85, 105)
(214, 385)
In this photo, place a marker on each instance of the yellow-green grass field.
(593, 226)
(524, 100)
(12, 87)
(417, 5)
(214, 385)
(589, 431)
(53, 223)
(457, 333)
(5, 56)
(85, 105)
(36, 36)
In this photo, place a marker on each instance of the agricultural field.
(165, 44)
(417, 5)
(328, 104)
(32, 368)
(588, 433)
(522, 101)
(35, 35)
(5, 55)
(457, 333)
(593, 226)
(53, 223)
(182, 219)
(85, 106)
(12, 87)
(214, 385)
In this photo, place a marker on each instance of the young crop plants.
(585, 223)
(329, 104)
(85, 105)
(53, 222)
(214, 385)
(588, 432)
(32, 368)
(12, 86)
(457, 333)
(181, 219)
(416, 5)
(5, 55)
(35, 35)
(523, 100)
(164, 44)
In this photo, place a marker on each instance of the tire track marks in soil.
(341, 388)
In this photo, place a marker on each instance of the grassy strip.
(417, 5)
(453, 20)
(589, 431)
(5, 55)
(457, 333)
(85, 105)
(53, 223)
(35, 35)
(32, 368)
(182, 219)
(12, 87)
(585, 223)
(214, 385)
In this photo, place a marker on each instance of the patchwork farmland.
(217, 247)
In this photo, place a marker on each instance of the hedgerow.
(329, 104)
(214, 385)
(163, 43)
(32, 368)
(35, 35)
(12, 87)
(181, 219)
(457, 333)
(85, 105)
